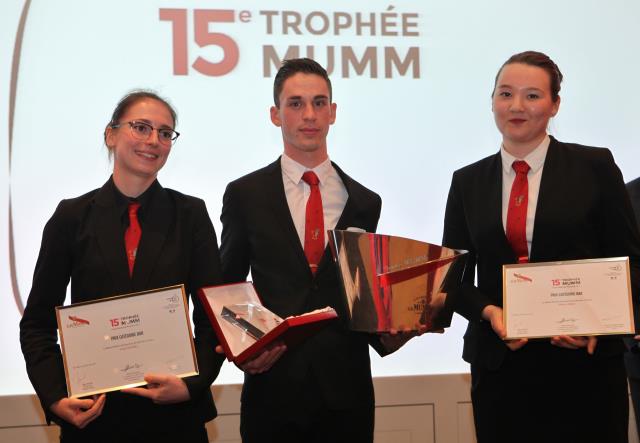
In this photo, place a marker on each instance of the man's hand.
(263, 361)
(79, 412)
(575, 342)
(162, 389)
(493, 314)
(396, 338)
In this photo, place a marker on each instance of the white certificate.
(109, 344)
(578, 297)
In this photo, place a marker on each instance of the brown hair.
(541, 60)
(293, 66)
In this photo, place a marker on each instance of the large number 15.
(203, 37)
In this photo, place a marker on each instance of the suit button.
(315, 287)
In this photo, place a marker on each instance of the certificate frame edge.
(112, 297)
(630, 295)
(62, 352)
(194, 356)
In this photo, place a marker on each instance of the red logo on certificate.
(522, 277)
(77, 321)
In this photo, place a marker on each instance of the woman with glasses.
(538, 200)
(129, 235)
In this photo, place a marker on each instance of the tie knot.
(133, 208)
(520, 166)
(311, 178)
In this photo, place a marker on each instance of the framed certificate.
(578, 297)
(109, 344)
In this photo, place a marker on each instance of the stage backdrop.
(412, 81)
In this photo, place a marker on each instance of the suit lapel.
(159, 216)
(494, 206)
(551, 174)
(346, 218)
(348, 213)
(280, 207)
(109, 227)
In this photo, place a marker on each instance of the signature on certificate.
(130, 366)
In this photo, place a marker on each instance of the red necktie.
(313, 222)
(517, 213)
(132, 235)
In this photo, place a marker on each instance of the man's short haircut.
(293, 66)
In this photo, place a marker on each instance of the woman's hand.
(162, 389)
(396, 338)
(79, 411)
(493, 314)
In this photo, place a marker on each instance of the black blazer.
(84, 241)
(582, 212)
(258, 234)
(632, 359)
(633, 187)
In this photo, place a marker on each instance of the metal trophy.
(393, 282)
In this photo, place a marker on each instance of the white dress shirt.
(333, 192)
(535, 160)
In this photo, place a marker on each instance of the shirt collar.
(535, 159)
(122, 201)
(294, 170)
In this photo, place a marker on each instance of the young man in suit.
(274, 225)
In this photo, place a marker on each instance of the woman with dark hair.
(538, 200)
(129, 235)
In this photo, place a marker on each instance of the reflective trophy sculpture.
(393, 282)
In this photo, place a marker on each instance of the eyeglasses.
(142, 131)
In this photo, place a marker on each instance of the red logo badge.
(78, 320)
(522, 277)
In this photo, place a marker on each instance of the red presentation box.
(245, 327)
